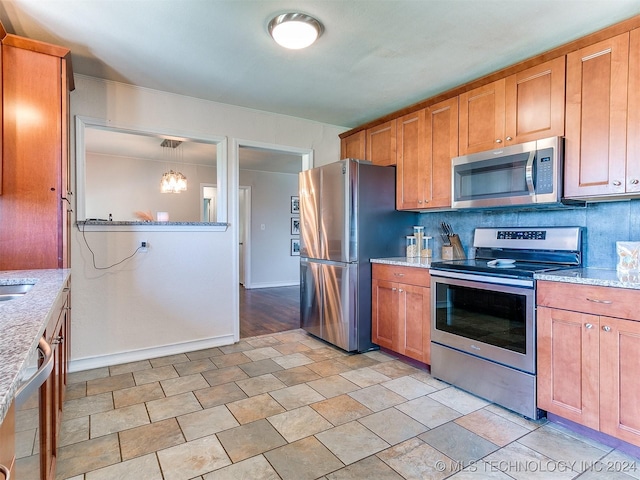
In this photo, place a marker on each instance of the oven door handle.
(528, 173)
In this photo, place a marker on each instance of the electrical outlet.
(144, 245)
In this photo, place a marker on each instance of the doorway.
(267, 304)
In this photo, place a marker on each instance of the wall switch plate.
(144, 246)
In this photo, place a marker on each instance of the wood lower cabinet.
(35, 156)
(7, 443)
(525, 106)
(381, 144)
(589, 356)
(401, 318)
(427, 140)
(52, 392)
(354, 146)
(601, 157)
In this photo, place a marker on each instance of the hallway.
(266, 311)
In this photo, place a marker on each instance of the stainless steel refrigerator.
(347, 217)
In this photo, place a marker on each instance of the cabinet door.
(568, 368)
(442, 146)
(534, 102)
(482, 119)
(8, 441)
(596, 110)
(31, 200)
(384, 314)
(353, 146)
(633, 118)
(412, 188)
(619, 380)
(414, 322)
(381, 143)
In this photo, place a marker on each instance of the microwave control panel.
(544, 172)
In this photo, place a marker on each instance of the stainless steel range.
(483, 327)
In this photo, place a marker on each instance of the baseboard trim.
(271, 285)
(99, 361)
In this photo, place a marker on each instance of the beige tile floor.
(287, 406)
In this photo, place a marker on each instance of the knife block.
(453, 251)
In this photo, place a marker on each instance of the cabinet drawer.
(408, 275)
(607, 301)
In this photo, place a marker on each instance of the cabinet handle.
(58, 340)
(635, 181)
(400, 290)
(398, 274)
(588, 325)
(509, 139)
(617, 183)
(498, 140)
(595, 300)
(606, 328)
(394, 289)
(5, 471)
(419, 201)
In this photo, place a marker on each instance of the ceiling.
(375, 56)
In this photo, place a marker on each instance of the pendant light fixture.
(172, 182)
(295, 30)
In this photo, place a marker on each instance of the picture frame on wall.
(295, 247)
(295, 226)
(295, 204)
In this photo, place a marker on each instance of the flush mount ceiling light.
(295, 30)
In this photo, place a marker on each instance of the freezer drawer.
(328, 307)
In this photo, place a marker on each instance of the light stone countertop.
(602, 277)
(418, 262)
(22, 323)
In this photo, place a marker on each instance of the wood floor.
(268, 310)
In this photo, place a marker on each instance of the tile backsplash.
(604, 222)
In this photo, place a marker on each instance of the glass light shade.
(173, 182)
(295, 30)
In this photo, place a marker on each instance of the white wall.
(122, 186)
(183, 293)
(271, 263)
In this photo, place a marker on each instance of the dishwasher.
(31, 428)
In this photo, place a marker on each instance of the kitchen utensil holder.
(447, 252)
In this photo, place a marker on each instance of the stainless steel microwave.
(524, 174)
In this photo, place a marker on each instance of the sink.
(11, 292)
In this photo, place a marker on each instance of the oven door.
(488, 320)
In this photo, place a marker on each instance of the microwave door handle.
(529, 173)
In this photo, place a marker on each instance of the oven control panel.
(522, 234)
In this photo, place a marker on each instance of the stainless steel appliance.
(483, 328)
(524, 174)
(347, 217)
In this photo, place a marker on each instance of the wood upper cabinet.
(442, 146)
(381, 143)
(354, 146)
(401, 318)
(426, 140)
(482, 118)
(589, 356)
(525, 106)
(601, 80)
(413, 169)
(33, 212)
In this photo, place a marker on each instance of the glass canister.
(418, 232)
(425, 247)
(412, 246)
